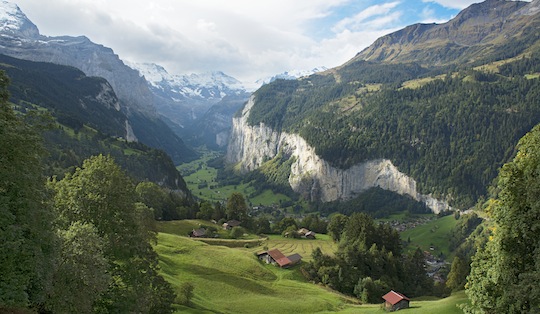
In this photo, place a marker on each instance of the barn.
(395, 301)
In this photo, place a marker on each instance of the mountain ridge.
(450, 133)
(475, 31)
(20, 38)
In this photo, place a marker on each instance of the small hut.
(395, 301)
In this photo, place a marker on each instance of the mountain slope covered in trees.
(20, 38)
(449, 125)
(89, 121)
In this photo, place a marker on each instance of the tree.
(153, 196)
(503, 274)
(26, 234)
(237, 232)
(219, 212)
(101, 194)
(336, 225)
(205, 211)
(262, 225)
(237, 207)
(457, 277)
(186, 293)
(81, 273)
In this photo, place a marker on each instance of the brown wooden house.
(231, 224)
(394, 301)
(198, 233)
(277, 258)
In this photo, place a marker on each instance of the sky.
(247, 39)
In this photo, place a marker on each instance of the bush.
(237, 232)
(185, 293)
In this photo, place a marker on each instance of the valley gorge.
(312, 176)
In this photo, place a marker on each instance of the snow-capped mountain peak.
(14, 22)
(290, 75)
(209, 85)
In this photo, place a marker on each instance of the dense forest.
(369, 261)
(75, 99)
(83, 119)
(79, 244)
(505, 271)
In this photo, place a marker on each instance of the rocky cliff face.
(311, 176)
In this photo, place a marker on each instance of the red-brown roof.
(281, 259)
(393, 297)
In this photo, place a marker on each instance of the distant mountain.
(184, 101)
(20, 38)
(493, 28)
(430, 111)
(290, 75)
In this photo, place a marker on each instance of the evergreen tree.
(336, 226)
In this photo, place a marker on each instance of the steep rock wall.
(311, 176)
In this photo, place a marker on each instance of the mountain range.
(431, 111)
(184, 101)
(20, 38)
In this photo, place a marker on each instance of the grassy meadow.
(201, 180)
(232, 280)
(432, 236)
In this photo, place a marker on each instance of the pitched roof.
(199, 232)
(233, 223)
(277, 256)
(303, 231)
(295, 258)
(393, 297)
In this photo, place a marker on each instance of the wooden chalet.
(231, 224)
(305, 233)
(310, 235)
(394, 301)
(198, 233)
(275, 257)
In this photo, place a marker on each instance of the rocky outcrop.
(310, 175)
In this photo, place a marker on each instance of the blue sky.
(248, 39)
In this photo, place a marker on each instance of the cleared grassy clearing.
(303, 247)
(201, 180)
(432, 236)
(233, 281)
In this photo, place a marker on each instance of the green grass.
(229, 280)
(303, 247)
(232, 280)
(434, 235)
(201, 180)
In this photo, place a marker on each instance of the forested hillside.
(86, 121)
(77, 245)
(448, 127)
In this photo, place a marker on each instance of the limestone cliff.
(311, 176)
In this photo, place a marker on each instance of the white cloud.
(454, 4)
(244, 38)
(359, 20)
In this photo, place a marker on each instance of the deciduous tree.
(504, 275)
